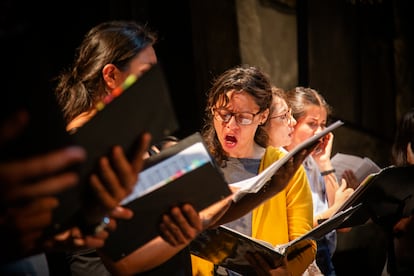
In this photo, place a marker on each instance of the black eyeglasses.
(285, 117)
(242, 118)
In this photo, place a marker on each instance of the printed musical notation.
(168, 170)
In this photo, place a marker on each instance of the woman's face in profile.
(140, 64)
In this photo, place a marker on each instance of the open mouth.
(230, 140)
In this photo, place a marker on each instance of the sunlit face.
(308, 125)
(410, 154)
(114, 78)
(140, 64)
(238, 140)
(280, 124)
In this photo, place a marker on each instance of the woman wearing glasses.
(237, 110)
(311, 112)
(294, 204)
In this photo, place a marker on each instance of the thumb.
(343, 184)
(120, 212)
(141, 147)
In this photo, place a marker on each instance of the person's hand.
(27, 179)
(263, 268)
(117, 176)
(120, 212)
(28, 188)
(181, 225)
(38, 171)
(322, 153)
(276, 184)
(342, 194)
(350, 179)
(283, 175)
(73, 239)
(114, 181)
(27, 196)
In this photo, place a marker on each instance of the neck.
(256, 152)
(81, 119)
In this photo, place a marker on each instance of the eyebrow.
(232, 111)
(284, 110)
(313, 120)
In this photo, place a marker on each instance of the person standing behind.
(403, 146)
(311, 112)
(108, 54)
(236, 111)
(37, 164)
(295, 202)
(401, 256)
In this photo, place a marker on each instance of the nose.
(293, 121)
(232, 122)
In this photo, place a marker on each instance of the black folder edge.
(236, 243)
(181, 145)
(265, 175)
(334, 222)
(201, 187)
(226, 247)
(384, 197)
(145, 105)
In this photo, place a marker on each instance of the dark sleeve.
(86, 263)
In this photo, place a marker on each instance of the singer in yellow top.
(238, 110)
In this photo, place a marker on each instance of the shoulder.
(272, 154)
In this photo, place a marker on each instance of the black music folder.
(384, 196)
(144, 105)
(226, 247)
(183, 173)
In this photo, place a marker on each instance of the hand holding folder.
(384, 196)
(226, 247)
(183, 173)
(254, 184)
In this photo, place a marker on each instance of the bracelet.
(328, 172)
(102, 225)
(93, 229)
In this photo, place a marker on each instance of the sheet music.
(168, 170)
(254, 184)
(361, 167)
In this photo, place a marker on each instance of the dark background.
(360, 53)
(358, 50)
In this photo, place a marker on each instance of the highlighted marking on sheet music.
(169, 170)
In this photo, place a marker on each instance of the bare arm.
(322, 156)
(277, 183)
(341, 195)
(178, 228)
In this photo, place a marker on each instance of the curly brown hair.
(245, 78)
